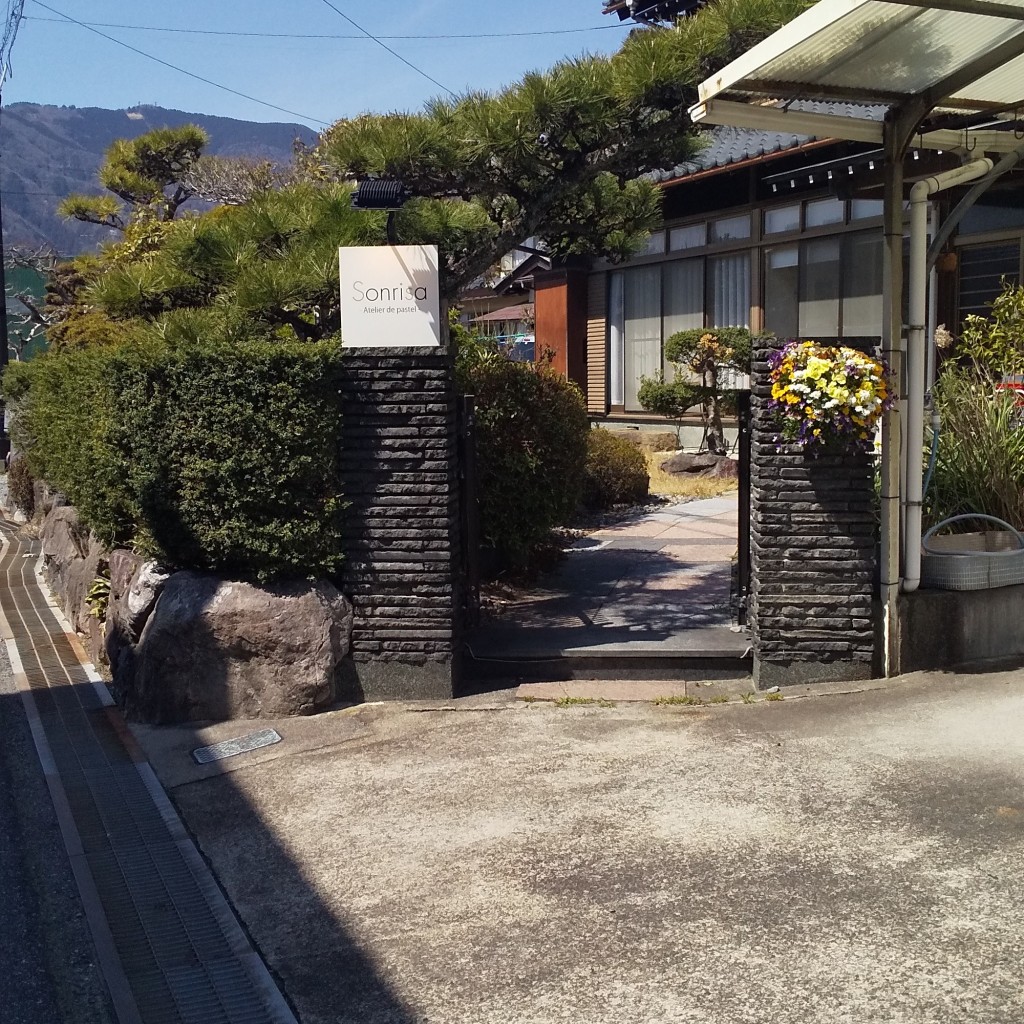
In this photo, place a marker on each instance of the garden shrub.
(532, 432)
(213, 457)
(994, 345)
(231, 453)
(980, 459)
(616, 472)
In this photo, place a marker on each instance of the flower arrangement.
(827, 399)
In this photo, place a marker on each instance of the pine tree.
(561, 154)
(146, 176)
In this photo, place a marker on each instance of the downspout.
(916, 356)
(895, 134)
(1005, 163)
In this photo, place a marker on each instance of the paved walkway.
(658, 581)
(168, 945)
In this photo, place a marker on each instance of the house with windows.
(774, 232)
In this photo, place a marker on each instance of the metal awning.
(961, 57)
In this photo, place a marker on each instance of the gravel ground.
(819, 861)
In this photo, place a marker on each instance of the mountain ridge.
(47, 152)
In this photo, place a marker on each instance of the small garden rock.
(702, 464)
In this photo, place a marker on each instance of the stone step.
(714, 653)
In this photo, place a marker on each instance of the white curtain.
(730, 290)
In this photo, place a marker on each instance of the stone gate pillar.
(399, 469)
(813, 555)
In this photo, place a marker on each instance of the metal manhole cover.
(239, 745)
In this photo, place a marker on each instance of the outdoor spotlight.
(380, 194)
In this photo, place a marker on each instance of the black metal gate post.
(743, 553)
(470, 491)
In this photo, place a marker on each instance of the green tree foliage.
(671, 397)
(561, 153)
(146, 178)
(267, 268)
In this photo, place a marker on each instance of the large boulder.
(134, 586)
(214, 649)
(46, 498)
(72, 559)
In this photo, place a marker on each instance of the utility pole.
(15, 8)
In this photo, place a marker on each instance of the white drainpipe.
(916, 356)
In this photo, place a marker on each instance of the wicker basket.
(978, 561)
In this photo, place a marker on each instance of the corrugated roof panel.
(882, 49)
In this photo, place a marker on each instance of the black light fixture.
(382, 194)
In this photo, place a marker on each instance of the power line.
(174, 67)
(328, 35)
(379, 42)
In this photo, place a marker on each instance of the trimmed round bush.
(616, 472)
(532, 432)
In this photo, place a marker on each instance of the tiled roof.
(732, 145)
(518, 312)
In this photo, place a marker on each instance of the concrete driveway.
(834, 859)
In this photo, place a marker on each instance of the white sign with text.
(390, 296)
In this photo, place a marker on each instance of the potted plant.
(827, 399)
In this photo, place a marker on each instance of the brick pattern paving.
(170, 949)
(649, 578)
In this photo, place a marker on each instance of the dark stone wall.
(812, 556)
(399, 467)
(969, 629)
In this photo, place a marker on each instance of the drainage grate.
(239, 745)
(181, 951)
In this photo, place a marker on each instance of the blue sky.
(58, 62)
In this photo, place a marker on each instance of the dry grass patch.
(683, 485)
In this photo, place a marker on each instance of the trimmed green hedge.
(220, 458)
